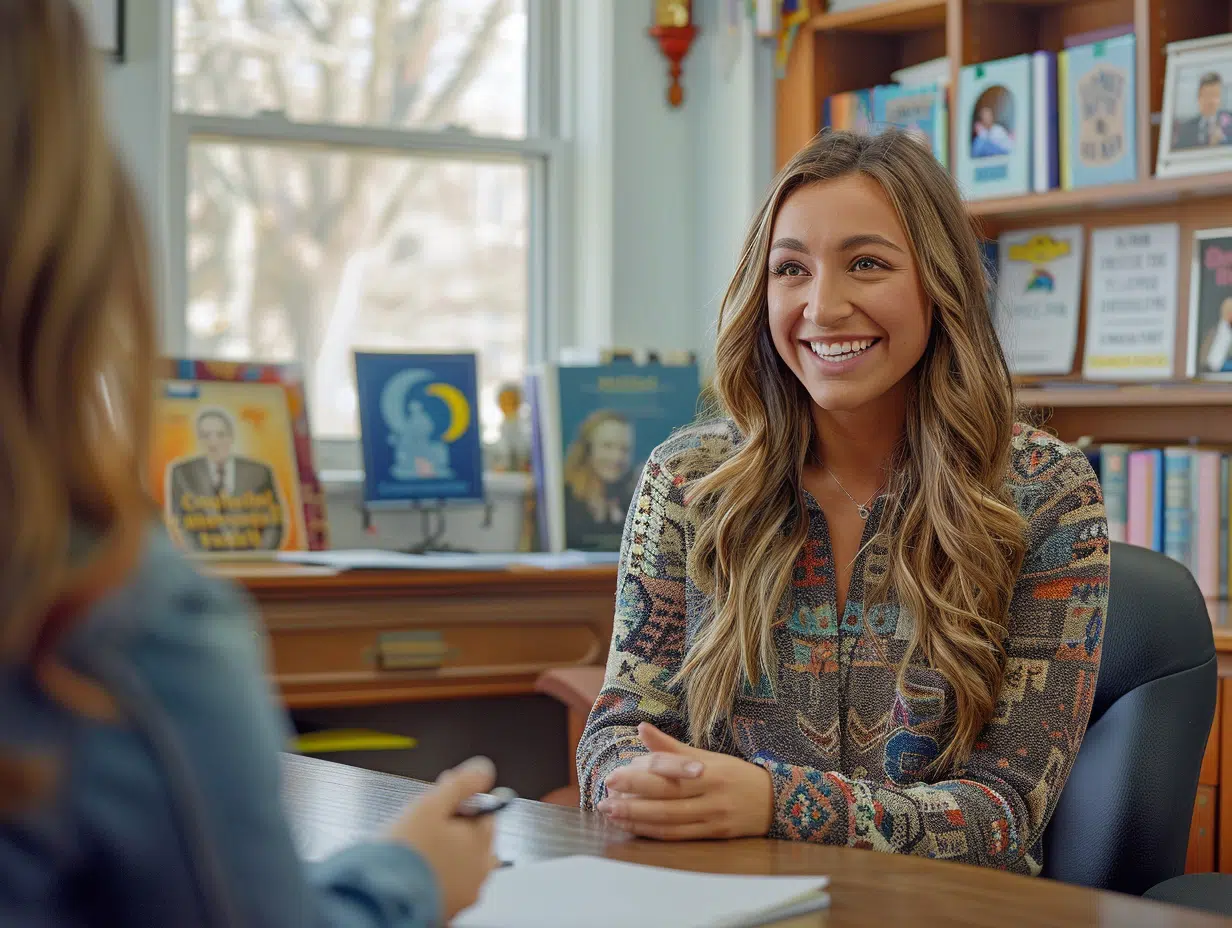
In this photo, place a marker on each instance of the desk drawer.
(379, 642)
(476, 650)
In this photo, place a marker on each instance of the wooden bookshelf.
(1153, 191)
(893, 17)
(1090, 396)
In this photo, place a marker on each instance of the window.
(363, 174)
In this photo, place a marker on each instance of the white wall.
(672, 189)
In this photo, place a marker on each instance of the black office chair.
(1123, 819)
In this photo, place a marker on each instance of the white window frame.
(544, 151)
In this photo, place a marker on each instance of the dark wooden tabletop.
(332, 805)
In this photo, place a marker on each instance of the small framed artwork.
(1210, 305)
(1196, 134)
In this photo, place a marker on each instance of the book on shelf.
(994, 115)
(1045, 160)
(290, 377)
(1131, 303)
(920, 111)
(419, 427)
(1172, 499)
(593, 428)
(852, 111)
(1098, 111)
(935, 71)
(1210, 305)
(224, 469)
(1039, 288)
(1091, 36)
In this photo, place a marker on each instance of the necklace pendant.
(864, 512)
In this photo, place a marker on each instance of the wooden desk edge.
(296, 583)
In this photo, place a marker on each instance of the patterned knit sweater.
(845, 749)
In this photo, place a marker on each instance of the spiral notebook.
(598, 893)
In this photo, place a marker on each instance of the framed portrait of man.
(1196, 134)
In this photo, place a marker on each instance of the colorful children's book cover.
(1210, 305)
(852, 111)
(1098, 114)
(598, 425)
(224, 469)
(291, 377)
(1039, 289)
(418, 416)
(921, 111)
(994, 128)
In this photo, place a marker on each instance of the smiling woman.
(866, 608)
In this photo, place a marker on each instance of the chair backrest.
(1123, 819)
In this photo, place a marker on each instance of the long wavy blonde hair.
(77, 331)
(954, 540)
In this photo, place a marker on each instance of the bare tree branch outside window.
(305, 253)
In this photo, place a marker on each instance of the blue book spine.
(1045, 165)
(1114, 478)
(1177, 504)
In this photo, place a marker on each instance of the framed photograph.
(1196, 134)
(1210, 306)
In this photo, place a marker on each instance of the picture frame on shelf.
(1210, 306)
(1196, 133)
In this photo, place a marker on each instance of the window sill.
(497, 484)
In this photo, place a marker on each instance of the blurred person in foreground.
(139, 767)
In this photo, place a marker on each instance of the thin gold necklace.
(861, 508)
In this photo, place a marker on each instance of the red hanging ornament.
(673, 28)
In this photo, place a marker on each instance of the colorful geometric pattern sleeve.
(993, 812)
(647, 638)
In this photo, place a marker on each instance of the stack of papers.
(571, 892)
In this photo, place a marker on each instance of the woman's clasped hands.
(678, 793)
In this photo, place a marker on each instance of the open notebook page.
(598, 893)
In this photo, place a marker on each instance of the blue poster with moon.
(418, 419)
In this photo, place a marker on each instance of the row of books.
(1040, 121)
(232, 460)
(1173, 500)
(922, 110)
(1028, 123)
(1130, 276)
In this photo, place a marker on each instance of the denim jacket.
(169, 814)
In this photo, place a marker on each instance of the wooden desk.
(367, 637)
(331, 806)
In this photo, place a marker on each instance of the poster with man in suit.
(229, 473)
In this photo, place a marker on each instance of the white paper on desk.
(573, 891)
(375, 559)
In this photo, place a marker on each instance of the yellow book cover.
(223, 468)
